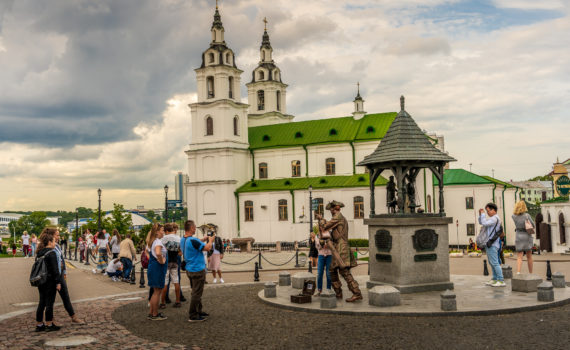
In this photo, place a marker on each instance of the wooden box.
(306, 294)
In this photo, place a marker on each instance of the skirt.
(156, 273)
(102, 260)
(215, 262)
(523, 241)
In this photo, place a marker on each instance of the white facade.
(557, 216)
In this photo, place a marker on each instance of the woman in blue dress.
(156, 273)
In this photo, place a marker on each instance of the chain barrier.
(366, 252)
(245, 262)
(285, 263)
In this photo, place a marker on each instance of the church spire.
(265, 39)
(217, 27)
(358, 104)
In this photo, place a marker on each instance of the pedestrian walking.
(216, 256)
(156, 272)
(523, 239)
(25, 243)
(172, 243)
(34, 244)
(47, 290)
(115, 244)
(14, 249)
(492, 226)
(63, 291)
(103, 250)
(127, 254)
(324, 260)
(195, 267)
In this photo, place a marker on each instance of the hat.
(334, 204)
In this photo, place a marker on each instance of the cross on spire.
(216, 4)
(358, 86)
(264, 21)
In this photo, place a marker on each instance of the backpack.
(39, 274)
(144, 259)
(483, 239)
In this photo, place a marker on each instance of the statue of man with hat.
(344, 259)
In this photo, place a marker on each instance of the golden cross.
(265, 21)
(216, 4)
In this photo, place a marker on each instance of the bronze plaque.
(425, 240)
(383, 240)
(383, 258)
(425, 257)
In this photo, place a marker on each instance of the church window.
(236, 126)
(320, 208)
(358, 207)
(428, 200)
(470, 229)
(330, 166)
(370, 129)
(298, 135)
(266, 138)
(468, 202)
(261, 75)
(263, 55)
(248, 210)
(278, 100)
(210, 87)
(263, 170)
(260, 100)
(296, 168)
(211, 57)
(231, 87)
(276, 75)
(228, 58)
(283, 210)
(209, 126)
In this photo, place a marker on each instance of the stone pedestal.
(277, 247)
(525, 283)
(558, 280)
(328, 299)
(299, 279)
(384, 296)
(284, 279)
(270, 290)
(507, 271)
(545, 292)
(409, 252)
(448, 301)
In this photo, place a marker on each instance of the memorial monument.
(408, 247)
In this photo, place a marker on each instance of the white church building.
(250, 166)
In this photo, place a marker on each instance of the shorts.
(171, 274)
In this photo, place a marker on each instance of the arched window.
(263, 170)
(549, 219)
(211, 57)
(231, 87)
(228, 58)
(262, 56)
(283, 210)
(248, 210)
(276, 75)
(260, 100)
(261, 75)
(358, 207)
(278, 100)
(296, 168)
(209, 126)
(330, 166)
(320, 208)
(236, 125)
(210, 87)
(561, 228)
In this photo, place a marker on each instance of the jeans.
(127, 267)
(324, 262)
(493, 256)
(33, 249)
(115, 274)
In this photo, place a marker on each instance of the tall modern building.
(179, 192)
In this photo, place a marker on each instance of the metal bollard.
(141, 284)
(297, 258)
(133, 275)
(256, 273)
(87, 253)
(485, 269)
(259, 260)
(548, 271)
(310, 265)
(76, 244)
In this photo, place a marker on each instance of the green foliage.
(151, 215)
(541, 178)
(120, 219)
(358, 242)
(33, 223)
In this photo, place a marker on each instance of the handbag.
(528, 227)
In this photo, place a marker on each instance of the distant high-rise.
(179, 187)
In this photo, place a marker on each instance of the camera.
(210, 234)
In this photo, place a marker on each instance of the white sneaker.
(215, 281)
(490, 283)
(221, 280)
(94, 271)
(499, 284)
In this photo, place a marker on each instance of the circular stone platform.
(473, 298)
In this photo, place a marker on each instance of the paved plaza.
(116, 316)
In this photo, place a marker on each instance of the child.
(14, 248)
(324, 260)
(115, 269)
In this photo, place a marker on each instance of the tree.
(33, 223)
(541, 178)
(120, 219)
(151, 215)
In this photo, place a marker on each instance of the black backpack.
(39, 274)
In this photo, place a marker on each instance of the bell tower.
(266, 92)
(358, 105)
(218, 150)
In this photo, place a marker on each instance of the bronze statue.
(411, 193)
(391, 195)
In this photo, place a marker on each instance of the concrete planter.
(474, 255)
(509, 255)
(455, 255)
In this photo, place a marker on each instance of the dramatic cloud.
(95, 93)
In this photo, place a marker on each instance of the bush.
(358, 242)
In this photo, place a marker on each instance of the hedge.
(358, 242)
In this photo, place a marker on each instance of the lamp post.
(311, 208)
(99, 212)
(165, 204)
(76, 232)
(457, 225)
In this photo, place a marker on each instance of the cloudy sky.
(95, 93)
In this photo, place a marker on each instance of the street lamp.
(76, 232)
(311, 208)
(165, 203)
(99, 213)
(457, 225)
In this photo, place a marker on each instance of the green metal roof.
(321, 131)
(463, 177)
(557, 200)
(302, 183)
(498, 182)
